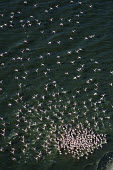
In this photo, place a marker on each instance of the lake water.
(56, 75)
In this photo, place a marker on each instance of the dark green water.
(56, 70)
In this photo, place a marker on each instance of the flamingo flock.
(52, 99)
